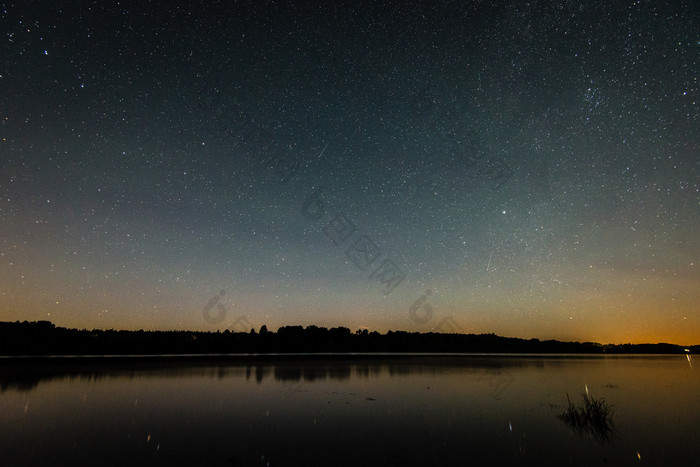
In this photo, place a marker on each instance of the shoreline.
(233, 357)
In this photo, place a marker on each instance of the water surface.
(358, 410)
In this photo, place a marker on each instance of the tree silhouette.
(44, 338)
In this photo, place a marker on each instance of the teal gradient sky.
(535, 169)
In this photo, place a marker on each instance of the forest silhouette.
(45, 338)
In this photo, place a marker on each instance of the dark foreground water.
(336, 411)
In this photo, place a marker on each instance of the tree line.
(45, 338)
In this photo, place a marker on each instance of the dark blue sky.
(527, 169)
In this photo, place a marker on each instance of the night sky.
(530, 169)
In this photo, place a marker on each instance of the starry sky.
(530, 169)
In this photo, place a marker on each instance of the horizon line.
(359, 330)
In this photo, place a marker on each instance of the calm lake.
(347, 410)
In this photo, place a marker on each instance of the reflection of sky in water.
(414, 410)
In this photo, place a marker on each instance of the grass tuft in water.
(593, 417)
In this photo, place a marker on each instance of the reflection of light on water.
(639, 456)
(585, 385)
(690, 360)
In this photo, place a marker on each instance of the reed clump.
(592, 417)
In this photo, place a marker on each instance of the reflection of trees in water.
(312, 372)
(367, 370)
(23, 375)
(260, 373)
(21, 385)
